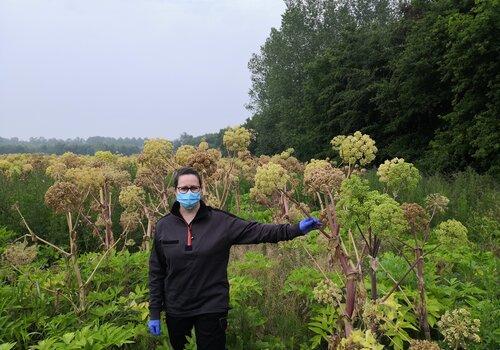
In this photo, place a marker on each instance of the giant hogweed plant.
(322, 180)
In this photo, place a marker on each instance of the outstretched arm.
(251, 232)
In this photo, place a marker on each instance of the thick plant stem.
(350, 272)
(74, 264)
(348, 269)
(422, 305)
(373, 280)
(148, 232)
(105, 199)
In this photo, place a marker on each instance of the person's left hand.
(309, 224)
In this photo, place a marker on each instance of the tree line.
(421, 77)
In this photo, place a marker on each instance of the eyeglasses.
(185, 189)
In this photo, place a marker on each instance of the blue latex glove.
(154, 327)
(309, 224)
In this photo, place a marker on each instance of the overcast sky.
(143, 68)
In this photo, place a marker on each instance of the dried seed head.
(63, 197)
(436, 203)
(458, 328)
(19, 253)
(321, 176)
(417, 217)
(423, 345)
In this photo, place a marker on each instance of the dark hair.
(185, 171)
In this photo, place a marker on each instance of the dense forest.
(422, 77)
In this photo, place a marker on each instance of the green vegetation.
(404, 260)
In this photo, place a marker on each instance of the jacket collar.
(201, 213)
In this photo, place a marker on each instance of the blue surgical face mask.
(188, 200)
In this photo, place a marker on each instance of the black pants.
(210, 330)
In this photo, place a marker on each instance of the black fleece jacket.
(187, 276)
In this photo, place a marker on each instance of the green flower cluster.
(13, 165)
(451, 234)
(268, 179)
(356, 148)
(57, 170)
(458, 328)
(358, 205)
(237, 139)
(387, 218)
(327, 292)
(352, 205)
(398, 175)
(104, 157)
(132, 197)
(156, 153)
(359, 340)
(183, 153)
(93, 178)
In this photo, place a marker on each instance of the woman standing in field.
(188, 263)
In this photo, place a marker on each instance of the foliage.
(321, 325)
(390, 317)
(430, 96)
(287, 295)
(97, 337)
(301, 281)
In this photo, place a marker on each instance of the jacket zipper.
(189, 234)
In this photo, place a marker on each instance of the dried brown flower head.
(63, 197)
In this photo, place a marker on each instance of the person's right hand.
(154, 327)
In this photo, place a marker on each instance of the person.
(188, 263)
